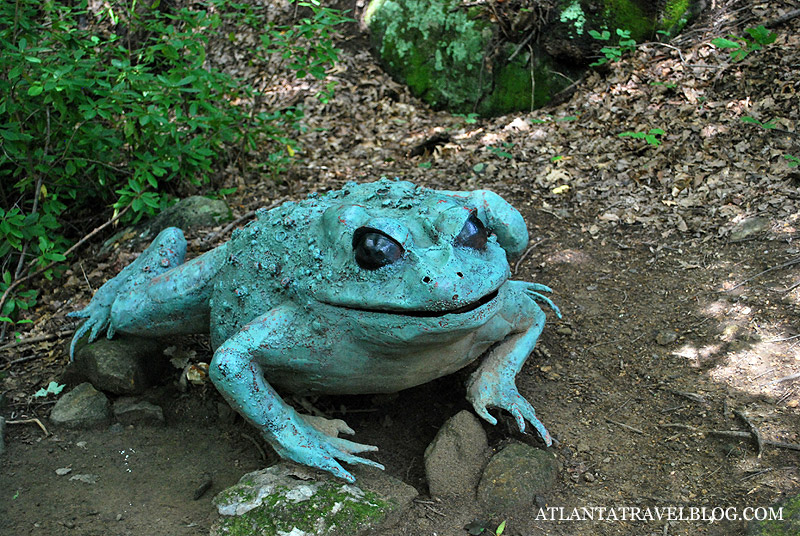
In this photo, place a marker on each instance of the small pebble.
(61, 471)
(588, 477)
(666, 337)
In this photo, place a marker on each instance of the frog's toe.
(544, 299)
(83, 313)
(97, 327)
(351, 447)
(531, 418)
(484, 414)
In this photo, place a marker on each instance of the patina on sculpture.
(370, 289)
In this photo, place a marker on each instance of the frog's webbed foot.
(164, 253)
(304, 443)
(533, 290)
(483, 393)
(98, 319)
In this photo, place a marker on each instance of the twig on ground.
(748, 435)
(623, 425)
(260, 449)
(786, 17)
(680, 426)
(691, 396)
(527, 252)
(28, 421)
(781, 380)
(786, 264)
(753, 430)
(40, 338)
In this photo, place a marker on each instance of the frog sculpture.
(374, 288)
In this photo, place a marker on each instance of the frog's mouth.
(428, 314)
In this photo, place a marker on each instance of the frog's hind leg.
(157, 294)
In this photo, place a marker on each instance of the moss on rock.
(449, 56)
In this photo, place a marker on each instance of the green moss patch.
(332, 509)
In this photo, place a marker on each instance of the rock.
(749, 227)
(465, 58)
(515, 476)
(289, 499)
(2, 435)
(194, 211)
(124, 365)
(455, 457)
(788, 526)
(666, 337)
(82, 407)
(128, 410)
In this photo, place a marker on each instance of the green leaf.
(35, 90)
(721, 42)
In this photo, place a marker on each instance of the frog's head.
(397, 249)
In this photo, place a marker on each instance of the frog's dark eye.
(473, 234)
(374, 248)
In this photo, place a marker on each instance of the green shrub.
(118, 109)
(740, 47)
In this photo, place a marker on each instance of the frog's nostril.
(459, 274)
(426, 279)
(455, 297)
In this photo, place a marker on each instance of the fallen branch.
(623, 425)
(40, 338)
(527, 252)
(786, 264)
(748, 435)
(784, 379)
(753, 430)
(783, 18)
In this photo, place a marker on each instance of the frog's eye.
(374, 248)
(473, 234)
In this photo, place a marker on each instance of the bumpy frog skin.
(374, 288)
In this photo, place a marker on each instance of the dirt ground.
(671, 324)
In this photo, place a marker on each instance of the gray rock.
(749, 227)
(295, 500)
(128, 410)
(455, 457)
(515, 476)
(82, 407)
(2, 435)
(123, 365)
(194, 211)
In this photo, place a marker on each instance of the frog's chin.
(468, 308)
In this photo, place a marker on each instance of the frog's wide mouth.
(428, 314)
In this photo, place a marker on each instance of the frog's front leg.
(157, 294)
(237, 373)
(493, 384)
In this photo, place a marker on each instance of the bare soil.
(669, 325)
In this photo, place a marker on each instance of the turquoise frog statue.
(374, 288)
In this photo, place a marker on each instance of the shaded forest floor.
(674, 318)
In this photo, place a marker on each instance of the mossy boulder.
(291, 499)
(452, 58)
(454, 55)
(568, 37)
